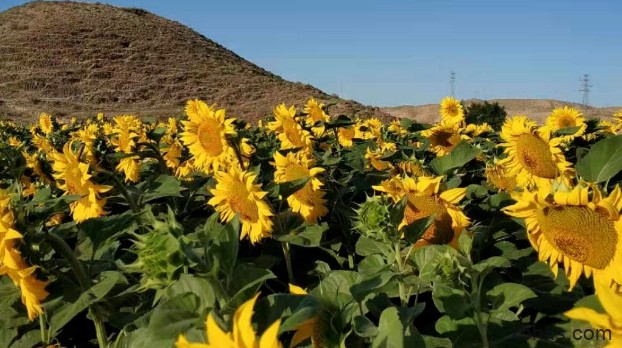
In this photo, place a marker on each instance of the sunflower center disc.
(566, 121)
(241, 204)
(442, 138)
(534, 154)
(210, 138)
(419, 207)
(582, 234)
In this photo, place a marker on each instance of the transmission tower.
(585, 88)
(452, 81)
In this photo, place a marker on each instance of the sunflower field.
(307, 230)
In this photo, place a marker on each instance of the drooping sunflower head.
(566, 117)
(451, 110)
(45, 123)
(578, 229)
(237, 193)
(288, 130)
(309, 200)
(424, 199)
(532, 157)
(443, 137)
(205, 135)
(315, 113)
(499, 177)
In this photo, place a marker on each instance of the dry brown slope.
(74, 58)
(537, 109)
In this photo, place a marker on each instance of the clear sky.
(393, 52)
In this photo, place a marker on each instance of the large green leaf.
(507, 295)
(603, 161)
(62, 315)
(392, 333)
(161, 186)
(462, 154)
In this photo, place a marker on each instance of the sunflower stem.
(43, 329)
(288, 262)
(400, 268)
(85, 282)
(119, 184)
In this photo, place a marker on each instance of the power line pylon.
(585, 88)
(452, 81)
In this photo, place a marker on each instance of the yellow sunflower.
(443, 137)
(315, 113)
(127, 130)
(237, 193)
(583, 234)
(45, 123)
(498, 177)
(451, 110)
(374, 160)
(345, 136)
(368, 129)
(72, 177)
(393, 188)
(14, 142)
(532, 157)
(205, 136)
(242, 334)
(13, 265)
(564, 118)
(475, 130)
(289, 132)
(608, 323)
(424, 200)
(172, 154)
(396, 127)
(309, 200)
(411, 167)
(308, 328)
(87, 135)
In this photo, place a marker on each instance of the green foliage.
(491, 113)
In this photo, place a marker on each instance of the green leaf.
(287, 189)
(458, 157)
(245, 282)
(201, 287)
(161, 186)
(507, 295)
(310, 236)
(603, 161)
(392, 333)
(225, 241)
(339, 121)
(172, 317)
(372, 264)
(335, 288)
(371, 284)
(367, 246)
(364, 327)
(451, 301)
(414, 230)
(293, 310)
(61, 316)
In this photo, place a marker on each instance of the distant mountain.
(536, 109)
(72, 58)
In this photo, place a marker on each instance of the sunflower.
(424, 200)
(583, 234)
(345, 136)
(396, 127)
(241, 335)
(237, 193)
(289, 132)
(498, 177)
(205, 136)
(13, 265)
(308, 328)
(15, 142)
(72, 177)
(411, 167)
(315, 113)
(45, 123)
(374, 160)
(532, 157)
(368, 129)
(610, 322)
(43, 144)
(393, 188)
(309, 200)
(172, 154)
(566, 117)
(443, 137)
(451, 111)
(475, 130)
(87, 135)
(33, 162)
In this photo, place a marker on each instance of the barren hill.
(537, 109)
(73, 58)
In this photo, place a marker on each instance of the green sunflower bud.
(373, 218)
(159, 257)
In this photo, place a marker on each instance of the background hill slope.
(73, 58)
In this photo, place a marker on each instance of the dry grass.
(74, 59)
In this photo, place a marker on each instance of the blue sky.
(395, 52)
